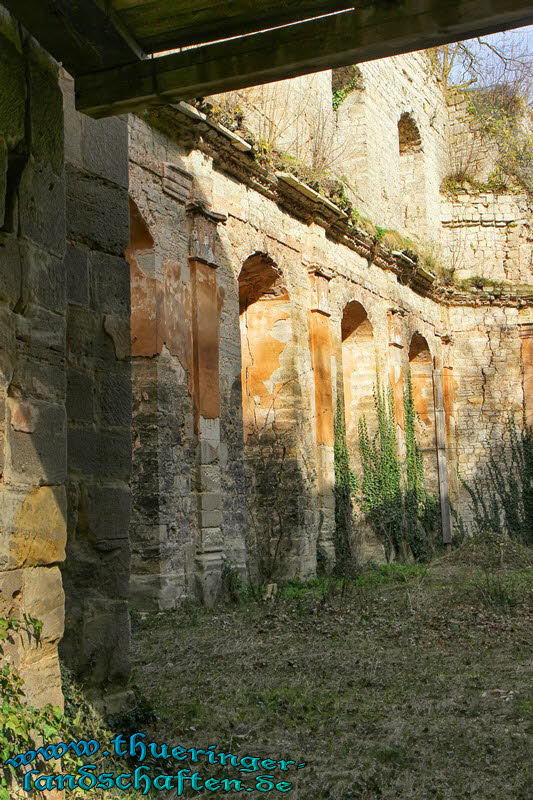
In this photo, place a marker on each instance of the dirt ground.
(408, 682)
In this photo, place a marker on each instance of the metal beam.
(346, 38)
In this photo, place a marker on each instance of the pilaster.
(206, 395)
(321, 356)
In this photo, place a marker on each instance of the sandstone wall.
(98, 397)
(285, 280)
(293, 116)
(396, 187)
(33, 440)
(360, 140)
(472, 154)
(65, 381)
(380, 176)
(488, 382)
(163, 528)
(320, 277)
(488, 235)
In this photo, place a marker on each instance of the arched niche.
(272, 412)
(421, 369)
(409, 139)
(266, 336)
(358, 370)
(412, 194)
(140, 255)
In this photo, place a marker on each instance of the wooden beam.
(84, 35)
(339, 40)
(166, 24)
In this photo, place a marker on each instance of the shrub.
(501, 497)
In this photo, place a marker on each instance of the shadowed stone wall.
(98, 394)
(33, 431)
(65, 388)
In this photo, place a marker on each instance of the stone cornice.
(200, 133)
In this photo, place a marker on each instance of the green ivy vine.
(391, 494)
(345, 489)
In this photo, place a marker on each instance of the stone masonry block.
(44, 599)
(83, 455)
(77, 275)
(97, 212)
(7, 346)
(114, 455)
(208, 452)
(36, 443)
(73, 120)
(118, 330)
(34, 530)
(106, 627)
(46, 109)
(41, 596)
(115, 399)
(210, 519)
(10, 271)
(209, 429)
(86, 335)
(105, 148)
(110, 278)
(80, 396)
(209, 501)
(212, 539)
(42, 207)
(42, 330)
(43, 278)
(39, 379)
(109, 515)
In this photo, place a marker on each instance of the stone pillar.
(526, 336)
(163, 523)
(448, 391)
(206, 396)
(397, 366)
(96, 571)
(442, 463)
(33, 445)
(321, 356)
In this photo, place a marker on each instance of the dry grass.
(406, 683)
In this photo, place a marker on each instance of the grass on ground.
(408, 682)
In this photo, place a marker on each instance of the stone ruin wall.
(198, 213)
(95, 643)
(474, 233)
(490, 379)
(321, 276)
(484, 234)
(398, 191)
(64, 378)
(33, 455)
(488, 236)
(359, 140)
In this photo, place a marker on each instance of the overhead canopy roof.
(112, 46)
